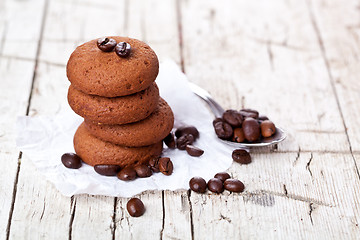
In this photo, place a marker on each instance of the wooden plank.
(286, 196)
(14, 96)
(339, 39)
(267, 59)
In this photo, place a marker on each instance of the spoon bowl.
(278, 137)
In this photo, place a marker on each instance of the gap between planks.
(41, 34)
(331, 78)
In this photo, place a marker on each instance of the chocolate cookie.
(96, 72)
(117, 110)
(94, 151)
(145, 132)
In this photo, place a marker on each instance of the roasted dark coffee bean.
(251, 129)
(106, 44)
(187, 130)
(127, 174)
(267, 128)
(135, 207)
(223, 130)
(246, 112)
(232, 117)
(165, 166)
(216, 120)
(71, 160)
(241, 156)
(107, 169)
(184, 140)
(238, 135)
(154, 164)
(142, 171)
(216, 185)
(222, 176)
(197, 184)
(234, 185)
(263, 118)
(123, 49)
(169, 140)
(194, 151)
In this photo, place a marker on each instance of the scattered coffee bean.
(216, 120)
(71, 160)
(232, 117)
(251, 129)
(169, 140)
(184, 140)
(135, 207)
(223, 130)
(165, 165)
(267, 128)
(106, 44)
(197, 184)
(123, 49)
(246, 112)
(216, 185)
(127, 174)
(238, 135)
(187, 130)
(234, 185)
(142, 171)
(241, 156)
(222, 176)
(194, 151)
(154, 164)
(263, 118)
(107, 169)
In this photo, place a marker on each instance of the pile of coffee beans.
(217, 184)
(245, 125)
(185, 137)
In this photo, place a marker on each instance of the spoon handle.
(204, 95)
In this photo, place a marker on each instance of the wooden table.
(296, 61)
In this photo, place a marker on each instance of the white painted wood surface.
(296, 61)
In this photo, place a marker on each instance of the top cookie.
(106, 74)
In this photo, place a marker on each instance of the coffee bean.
(154, 164)
(246, 112)
(263, 118)
(135, 207)
(241, 156)
(184, 140)
(251, 129)
(216, 120)
(267, 128)
(194, 151)
(107, 169)
(222, 176)
(169, 140)
(223, 130)
(197, 184)
(234, 185)
(142, 171)
(216, 185)
(127, 174)
(165, 165)
(106, 44)
(123, 49)
(187, 130)
(238, 135)
(233, 118)
(71, 160)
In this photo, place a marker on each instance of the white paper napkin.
(45, 139)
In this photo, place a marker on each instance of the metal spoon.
(218, 111)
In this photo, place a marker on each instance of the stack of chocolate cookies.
(113, 88)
